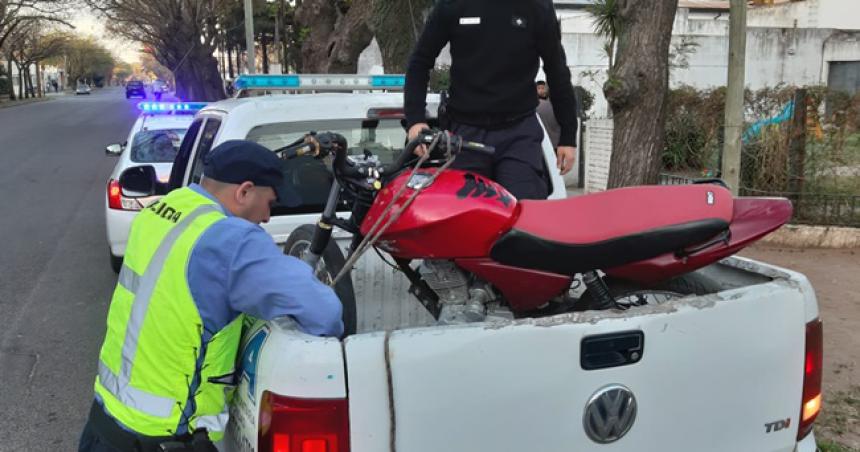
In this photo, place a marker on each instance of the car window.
(311, 178)
(156, 146)
(177, 173)
(210, 130)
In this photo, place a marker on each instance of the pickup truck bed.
(717, 372)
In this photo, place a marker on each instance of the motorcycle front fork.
(324, 228)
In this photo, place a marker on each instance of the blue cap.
(238, 161)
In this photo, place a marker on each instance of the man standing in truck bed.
(496, 46)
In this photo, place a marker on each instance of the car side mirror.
(141, 181)
(113, 149)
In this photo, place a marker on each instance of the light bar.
(170, 107)
(326, 82)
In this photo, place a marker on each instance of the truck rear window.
(311, 178)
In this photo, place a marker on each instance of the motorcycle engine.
(462, 297)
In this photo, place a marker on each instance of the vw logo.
(609, 414)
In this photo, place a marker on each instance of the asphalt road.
(55, 279)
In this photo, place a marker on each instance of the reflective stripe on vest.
(142, 288)
(129, 279)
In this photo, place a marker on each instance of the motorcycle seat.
(612, 228)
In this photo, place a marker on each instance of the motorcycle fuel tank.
(460, 214)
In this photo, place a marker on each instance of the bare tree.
(636, 90)
(180, 34)
(15, 13)
(33, 45)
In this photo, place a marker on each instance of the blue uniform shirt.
(236, 267)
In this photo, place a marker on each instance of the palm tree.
(607, 23)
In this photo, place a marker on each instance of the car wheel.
(115, 262)
(329, 266)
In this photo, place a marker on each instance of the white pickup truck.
(735, 369)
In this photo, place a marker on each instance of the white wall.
(785, 15)
(839, 14)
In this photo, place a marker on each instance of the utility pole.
(251, 61)
(734, 121)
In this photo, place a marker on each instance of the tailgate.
(713, 371)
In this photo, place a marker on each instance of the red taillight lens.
(114, 194)
(812, 370)
(289, 424)
(119, 202)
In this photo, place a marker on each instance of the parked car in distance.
(82, 88)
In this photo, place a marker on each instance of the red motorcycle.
(483, 252)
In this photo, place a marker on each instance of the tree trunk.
(20, 82)
(397, 25)
(9, 71)
(200, 80)
(265, 54)
(316, 19)
(38, 81)
(636, 90)
(352, 37)
(238, 61)
(230, 61)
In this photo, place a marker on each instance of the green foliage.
(607, 21)
(608, 24)
(825, 192)
(303, 34)
(693, 122)
(586, 98)
(829, 446)
(440, 78)
(85, 59)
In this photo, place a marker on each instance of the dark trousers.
(518, 163)
(103, 434)
(92, 442)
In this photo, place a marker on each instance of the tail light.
(289, 424)
(813, 364)
(119, 202)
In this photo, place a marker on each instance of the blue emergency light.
(323, 82)
(170, 107)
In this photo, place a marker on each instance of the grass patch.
(830, 446)
(840, 414)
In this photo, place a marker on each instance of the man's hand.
(566, 156)
(416, 129)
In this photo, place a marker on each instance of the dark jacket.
(496, 46)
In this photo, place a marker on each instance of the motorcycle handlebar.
(457, 144)
(322, 144)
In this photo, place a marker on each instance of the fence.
(809, 208)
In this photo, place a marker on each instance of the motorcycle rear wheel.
(630, 294)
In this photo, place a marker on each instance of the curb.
(805, 236)
(15, 103)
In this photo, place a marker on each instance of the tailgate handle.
(611, 350)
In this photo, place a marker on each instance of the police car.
(153, 141)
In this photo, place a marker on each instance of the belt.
(121, 439)
(489, 121)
